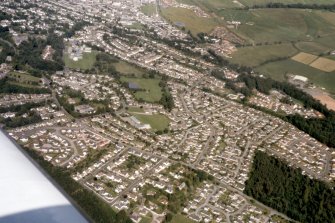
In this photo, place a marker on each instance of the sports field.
(86, 62)
(151, 92)
(158, 122)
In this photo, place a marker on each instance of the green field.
(214, 5)
(24, 78)
(158, 122)
(86, 62)
(211, 5)
(254, 56)
(127, 68)
(190, 20)
(149, 9)
(262, 2)
(178, 218)
(152, 91)
(270, 25)
(277, 70)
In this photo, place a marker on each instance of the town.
(107, 123)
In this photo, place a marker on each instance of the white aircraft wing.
(26, 193)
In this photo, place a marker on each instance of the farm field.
(324, 64)
(305, 58)
(262, 2)
(190, 20)
(257, 55)
(152, 92)
(86, 62)
(211, 5)
(158, 122)
(278, 70)
(285, 25)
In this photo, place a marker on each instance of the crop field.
(324, 64)
(158, 122)
(86, 62)
(305, 58)
(151, 92)
(255, 56)
(190, 20)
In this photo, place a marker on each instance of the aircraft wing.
(26, 193)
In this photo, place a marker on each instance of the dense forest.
(95, 208)
(285, 189)
(29, 53)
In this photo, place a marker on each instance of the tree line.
(329, 7)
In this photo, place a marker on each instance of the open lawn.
(277, 71)
(152, 92)
(86, 62)
(149, 9)
(305, 58)
(178, 218)
(256, 55)
(190, 20)
(158, 122)
(127, 68)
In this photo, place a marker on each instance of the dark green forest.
(274, 183)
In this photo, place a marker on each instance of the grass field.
(178, 218)
(23, 77)
(305, 58)
(190, 20)
(126, 68)
(270, 25)
(153, 91)
(262, 2)
(86, 63)
(158, 122)
(211, 5)
(277, 71)
(254, 56)
(149, 9)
